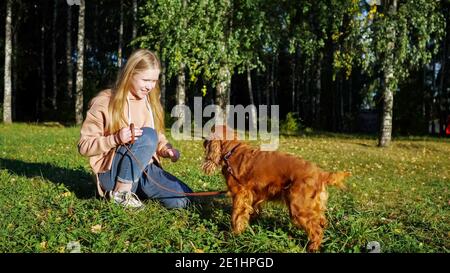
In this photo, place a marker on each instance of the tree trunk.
(318, 87)
(341, 103)
(181, 86)
(163, 83)
(15, 65)
(350, 93)
(42, 68)
(223, 89)
(389, 86)
(386, 117)
(272, 79)
(119, 51)
(54, 86)
(258, 89)
(95, 25)
(293, 83)
(443, 111)
(7, 115)
(80, 61)
(134, 9)
(268, 86)
(333, 106)
(252, 102)
(309, 108)
(181, 90)
(69, 53)
(438, 93)
(181, 79)
(425, 94)
(300, 78)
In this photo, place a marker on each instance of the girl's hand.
(174, 154)
(125, 134)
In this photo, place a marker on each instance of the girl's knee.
(149, 136)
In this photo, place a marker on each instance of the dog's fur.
(254, 176)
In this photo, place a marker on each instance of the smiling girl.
(135, 99)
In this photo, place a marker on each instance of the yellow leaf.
(66, 194)
(43, 245)
(96, 229)
(196, 250)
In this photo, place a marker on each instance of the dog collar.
(228, 154)
(225, 159)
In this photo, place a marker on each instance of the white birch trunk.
(119, 51)
(252, 101)
(223, 92)
(7, 114)
(80, 61)
(181, 86)
(134, 8)
(163, 83)
(389, 87)
(386, 117)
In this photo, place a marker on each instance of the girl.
(134, 99)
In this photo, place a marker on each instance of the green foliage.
(307, 25)
(398, 197)
(403, 39)
(347, 36)
(290, 125)
(205, 35)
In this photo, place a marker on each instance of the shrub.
(291, 125)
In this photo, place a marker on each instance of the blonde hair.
(139, 61)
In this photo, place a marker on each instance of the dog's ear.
(212, 155)
(205, 142)
(214, 150)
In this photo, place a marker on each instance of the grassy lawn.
(397, 196)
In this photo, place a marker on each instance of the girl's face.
(143, 82)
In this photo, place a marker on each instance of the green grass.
(398, 196)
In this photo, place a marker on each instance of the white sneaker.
(127, 199)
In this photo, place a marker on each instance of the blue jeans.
(126, 170)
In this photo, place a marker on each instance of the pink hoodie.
(99, 144)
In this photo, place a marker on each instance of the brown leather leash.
(203, 193)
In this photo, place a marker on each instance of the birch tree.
(7, 113)
(405, 35)
(80, 62)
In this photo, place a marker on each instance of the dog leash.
(204, 193)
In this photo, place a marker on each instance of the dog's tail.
(335, 179)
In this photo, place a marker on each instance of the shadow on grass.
(77, 181)
(208, 206)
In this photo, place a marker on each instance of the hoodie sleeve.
(93, 140)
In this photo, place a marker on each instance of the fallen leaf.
(96, 229)
(43, 245)
(66, 194)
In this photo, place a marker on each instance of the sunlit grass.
(398, 196)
